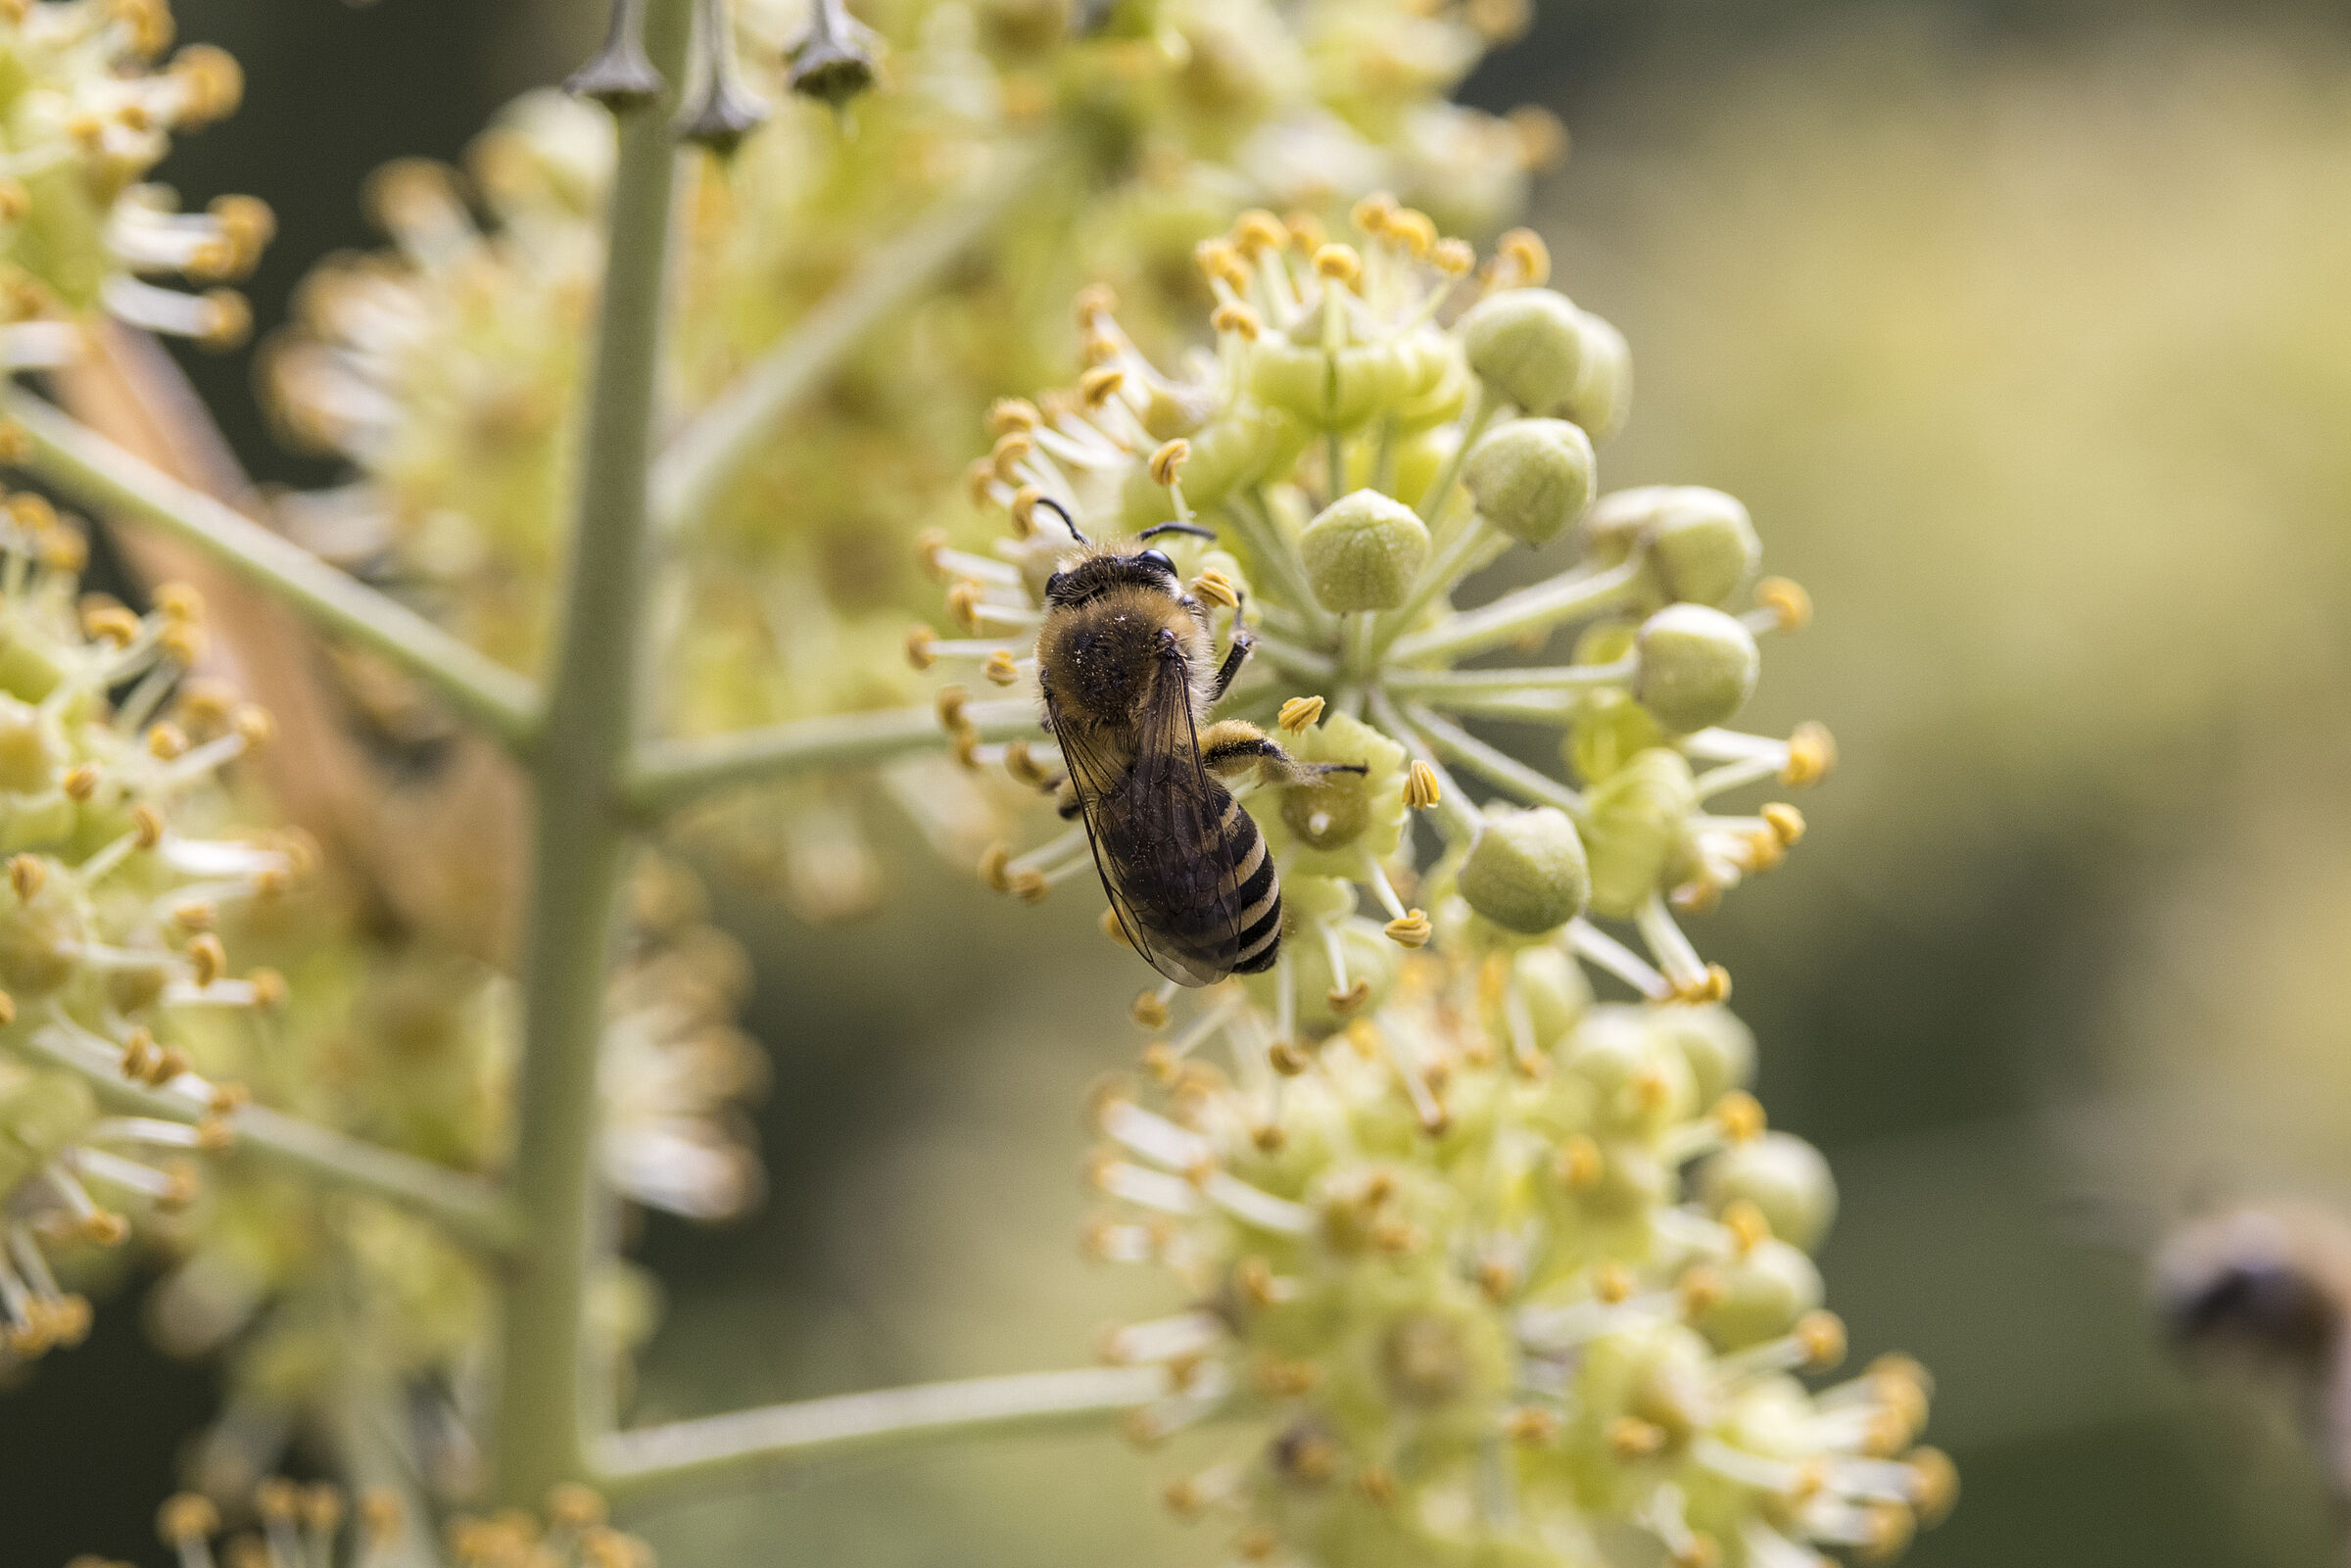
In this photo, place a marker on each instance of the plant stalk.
(669, 774)
(580, 838)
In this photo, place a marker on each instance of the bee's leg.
(1234, 658)
(1229, 746)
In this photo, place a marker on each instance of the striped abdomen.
(1193, 869)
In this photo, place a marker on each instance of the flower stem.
(1516, 615)
(1497, 768)
(668, 773)
(102, 475)
(467, 1207)
(579, 836)
(751, 1447)
(712, 449)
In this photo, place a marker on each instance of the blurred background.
(2022, 327)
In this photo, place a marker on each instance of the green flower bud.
(1551, 986)
(1701, 545)
(1632, 825)
(1720, 1050)
(39, 939)
(1364, 551)
(1527, 346)
(1526, 872)
(1233, 450)
(1603, 388)
(1782, 1175)
(28, 763)
(1331, 389)
(1531, 478)
(1641, 1085)
(1764, 1294)
(1698, 666)
(40, 1113)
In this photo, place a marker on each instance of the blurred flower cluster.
(1514, 1275)
(446, 370)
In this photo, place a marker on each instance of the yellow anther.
(1348, 1000)
(108, 622)
(1338, 262)
(1791, 606)
(1377, 1483)
(1745, 1223)
(1542, 139)
(1007, 414)
(1257, 232)
(963, 603)
(1700, 1288)
(1811, 755)
(105, 1228)
(166, 742)
(1279, 1378)
(950, 703)
(1022, 764)
(1499, 21)
(1422, 788)
(1740, 1116)
(268, 988)
(1217, 589)
(1116, 930)
(979, 479)
(15, 201)
(1397, 1236)
(1167, 462)
(186, 1518)
(206, 958)
(27, 874)
(1094, 302)
(8, 1010)
(1701, 1550)
(380, 1515)
(1497, 1279)
(1531, 1426)
(1415, 232)
(1821, 1337)
(1890, 1527)
(1410, 930)
(992, 863)
(227, 319)
(247, 225)
(1012, 448)
(1371, 213)
(177, 601)
(1633, 1440)
(575, 1507)
(1299, 714)
(1098, 385)
(1024, 509)
(1580, 1164)
(1306, 231)
(1234, 317)
(182, 643)
(1184, 1497)
(195, 915)
(1522, 250)
(1933, 1484)
(214, 1134)
(1786, 822)
(1002, 668)
(1149, 1010)
(1098, 349)
(1031, 886)
(1258, 1543)
(1222, 264)
(1613, 1283)
(80, 782)
(1288, 1058)
(930, 546)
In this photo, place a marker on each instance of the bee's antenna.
(1067, 521)
(1193, 529)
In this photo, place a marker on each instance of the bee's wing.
(1157, 832)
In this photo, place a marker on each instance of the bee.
(1129, 669)
(2268, 1291)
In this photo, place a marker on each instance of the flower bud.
(1701, 545)
(1632, 825)
(1782, 1175)
(1720, 1050)
(1527, 346)
(1764, 1294)
(1641, 1085)
(41, 1112)
(1604, 387)
(1526, 872)
(1335, 389)
(1364, 551)
(1698, 666)
(1552, 987)
(1531, 478)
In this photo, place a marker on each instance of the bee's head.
(2239, 1282)
(1097, 575)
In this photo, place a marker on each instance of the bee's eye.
(1161, 557)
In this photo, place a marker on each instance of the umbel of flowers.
(84, 114)
(1506, 1274)
(120, 869)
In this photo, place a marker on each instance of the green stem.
(467, 1207)
(103, 476)
(579, 836)
(752, 1447)
(1497, 768)
(1456, 813)
(1440, 491)
(668, 773)
(1520, 614)
(740, 421)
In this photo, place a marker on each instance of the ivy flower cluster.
(1513, 1276)
(122, 866)
(84, 114)
(296, 1526)
(447, 372)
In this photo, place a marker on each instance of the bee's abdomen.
(1257, 893)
